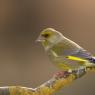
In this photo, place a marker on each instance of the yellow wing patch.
(76, 58)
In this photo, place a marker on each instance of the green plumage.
(63, 52)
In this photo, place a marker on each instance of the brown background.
(24, 62)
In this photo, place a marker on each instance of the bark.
(57, 82)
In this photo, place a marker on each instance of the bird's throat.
(45, 43)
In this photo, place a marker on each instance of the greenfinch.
(63, 52)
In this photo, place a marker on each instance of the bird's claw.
(61, 74)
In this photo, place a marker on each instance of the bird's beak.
(40, 39)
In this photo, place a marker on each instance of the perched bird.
(63, 52)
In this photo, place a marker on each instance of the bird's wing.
(71, 51)
(81, 55)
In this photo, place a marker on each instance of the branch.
(58, 81)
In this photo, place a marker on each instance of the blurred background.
(22, 60)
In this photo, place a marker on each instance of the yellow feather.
(76, 58)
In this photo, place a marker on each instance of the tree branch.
(58, 81)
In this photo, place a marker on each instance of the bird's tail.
(92, 60)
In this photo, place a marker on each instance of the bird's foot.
(61, 74)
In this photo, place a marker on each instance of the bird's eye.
(45, 35)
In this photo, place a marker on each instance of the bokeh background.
(22, 60)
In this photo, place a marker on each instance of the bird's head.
(49, 36)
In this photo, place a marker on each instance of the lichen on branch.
(58, 81)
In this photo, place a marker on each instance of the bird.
(63, 52)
